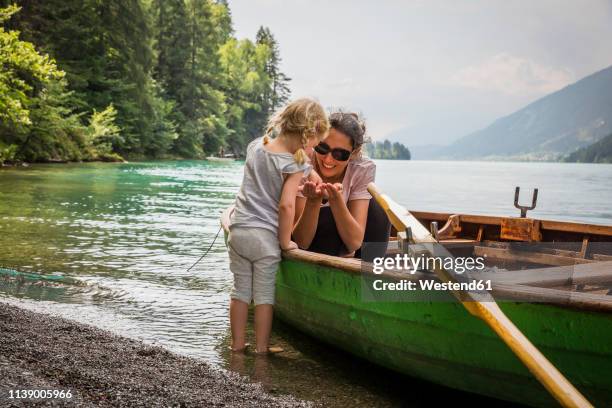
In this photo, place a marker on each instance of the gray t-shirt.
(259, 196)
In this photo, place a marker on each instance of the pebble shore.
(45, 352)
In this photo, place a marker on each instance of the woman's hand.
(333, 192)
(312, 190)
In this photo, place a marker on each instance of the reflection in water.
(260, 365)
(128, 233)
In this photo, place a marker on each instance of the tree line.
(598, 152)
(105, 80)
(387, 150)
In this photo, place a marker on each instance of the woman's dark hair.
(351, 124)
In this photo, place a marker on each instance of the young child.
(262, 221)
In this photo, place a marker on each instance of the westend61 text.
(412, 264)
(476, 285)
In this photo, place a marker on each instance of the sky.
(427, 71)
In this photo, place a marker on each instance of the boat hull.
(441, 342)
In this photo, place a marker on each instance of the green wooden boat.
(567, 317)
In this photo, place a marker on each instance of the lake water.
(129, 232)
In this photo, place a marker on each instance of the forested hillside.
(101, 80)
(598, 152)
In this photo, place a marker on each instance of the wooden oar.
(556, 384)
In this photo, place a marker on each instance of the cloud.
(513, 75)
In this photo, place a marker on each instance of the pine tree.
(188, 37)
(243, 64)
(279, 92)
(37, 123)
(105, 48)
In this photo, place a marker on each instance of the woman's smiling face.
(329, 167)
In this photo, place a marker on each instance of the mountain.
(427, 135)
(598, 152)
(547, 129)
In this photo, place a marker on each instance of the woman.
(332, 216)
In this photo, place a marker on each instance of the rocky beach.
(100, 369)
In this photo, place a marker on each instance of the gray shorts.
(254, 255)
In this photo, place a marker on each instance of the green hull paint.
(441, 342)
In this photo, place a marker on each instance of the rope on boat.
(205, 253)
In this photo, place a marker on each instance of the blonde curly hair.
(300, 120)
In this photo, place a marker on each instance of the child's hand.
(288, 246)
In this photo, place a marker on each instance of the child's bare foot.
(239, 349)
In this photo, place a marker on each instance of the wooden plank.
(602, 257)
(546, 249)
(464, 241)
(592, 273)
(451, 228)
(585, 247)
(434, 216)
(563, 226)
(480, 233)
(577, 227)
(596, 290)
(469, 218)
(346, 264)
(520, 229)
(573, 300)
(524, 256)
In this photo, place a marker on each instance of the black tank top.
(327, 238)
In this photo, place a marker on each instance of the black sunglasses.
(337, 153)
